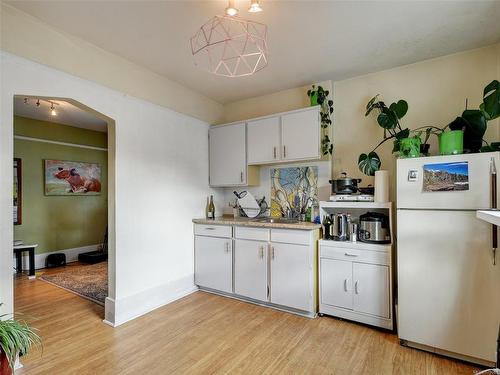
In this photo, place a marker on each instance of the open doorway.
(61, 199)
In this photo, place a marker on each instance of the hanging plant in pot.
(319, 96)
(388, 119)
(474, 122)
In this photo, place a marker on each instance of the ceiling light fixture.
(231, 9)
(230, 46)
(255, 6)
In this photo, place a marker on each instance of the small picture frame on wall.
(17, 192)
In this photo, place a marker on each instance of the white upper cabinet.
(228, 164)
(263, 137)
(301, 135)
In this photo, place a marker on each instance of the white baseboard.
(131, 307)
(71, 256)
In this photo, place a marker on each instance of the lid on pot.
(373, 216)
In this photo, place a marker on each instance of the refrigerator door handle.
(494, 232)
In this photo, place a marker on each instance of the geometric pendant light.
(230, 46)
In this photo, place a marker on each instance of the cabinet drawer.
(247, 233)
(300, 237)
(354, 255)
(213, 230)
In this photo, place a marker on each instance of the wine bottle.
(207, 209)
(211, 208)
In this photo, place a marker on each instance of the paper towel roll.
(381, 186)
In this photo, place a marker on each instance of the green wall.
(58, 222)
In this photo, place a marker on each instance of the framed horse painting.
(72, 178)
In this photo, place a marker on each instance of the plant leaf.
(491, 100)
(369, 164)
(400, 108)
(387, 119)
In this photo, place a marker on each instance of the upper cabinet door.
(228, 155)
(264, 140)
(301, 135)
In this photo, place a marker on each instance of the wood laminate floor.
(208, 334)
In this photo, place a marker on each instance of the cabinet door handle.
(274, 152)
(241, 176)
(226, 247)
(261, 252)
(356, 287)
(345, 285)
(272, 252)
(350, 255)
(209, 228)
(284, 151)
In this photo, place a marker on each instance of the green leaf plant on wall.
(319, 96)
(388, 119)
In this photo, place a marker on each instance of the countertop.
(491, 216)
(246, 222)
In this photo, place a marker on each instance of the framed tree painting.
(18, 192)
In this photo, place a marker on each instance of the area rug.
(87, 280)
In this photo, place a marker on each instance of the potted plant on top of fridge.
(388, 119)
(474, 122)
(16, 338)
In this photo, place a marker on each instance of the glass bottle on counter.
(211, 208)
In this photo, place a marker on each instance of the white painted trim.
(71, 256)
(133, 306)
(32, 139)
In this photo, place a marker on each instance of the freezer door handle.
(494, 232)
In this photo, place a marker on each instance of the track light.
(254, 6)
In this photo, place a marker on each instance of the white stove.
(351, 198)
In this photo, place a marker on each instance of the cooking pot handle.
(359, 180)
(343, 174)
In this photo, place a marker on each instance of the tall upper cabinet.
(237, 149)
(228, 156)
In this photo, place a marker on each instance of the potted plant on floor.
(16, 338)
(474, 122)
(319, 96)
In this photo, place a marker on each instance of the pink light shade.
(230, 46)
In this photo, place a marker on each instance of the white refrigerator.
(448, 287)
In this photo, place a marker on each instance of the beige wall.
(280, 101)
(26, 36)
(434, 89)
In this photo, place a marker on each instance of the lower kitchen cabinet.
(213, 263)
(250, 269)
(272, 267)
(291, 268)
(355, 282)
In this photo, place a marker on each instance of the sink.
(277, 220)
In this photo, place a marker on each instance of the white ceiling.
(67, 113)
(309, 41)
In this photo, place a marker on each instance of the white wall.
(161, 180)
(26, 36)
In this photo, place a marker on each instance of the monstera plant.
(474, 122)
(389, 119)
